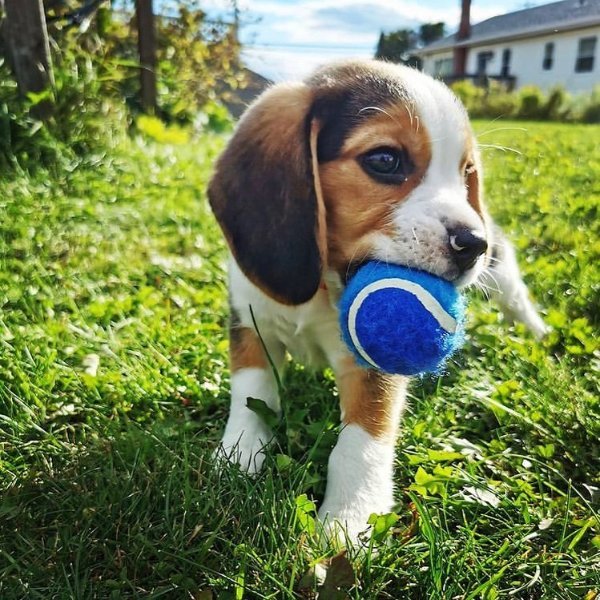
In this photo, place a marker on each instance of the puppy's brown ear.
(265, 196)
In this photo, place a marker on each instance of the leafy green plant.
(591, 108)
(470, 95)
(528, 103)
(531, 102)
(197, 63)
(94, 97)
(557, 105)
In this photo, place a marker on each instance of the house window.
(483, 58)
(443, 67)
(585, 55)
(505, 70)
(548, 56)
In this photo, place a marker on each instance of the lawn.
(114, 386)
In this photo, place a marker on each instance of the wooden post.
(147, 50)
(28, 47)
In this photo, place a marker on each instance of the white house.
(545, 46)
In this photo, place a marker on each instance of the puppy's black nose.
(466, 246)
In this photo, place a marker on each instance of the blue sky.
(286, 39)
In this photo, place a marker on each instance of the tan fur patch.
(473, 197)
(245, 349)
(356, 204)
(368, 398)
(321, 231)
(471, 168)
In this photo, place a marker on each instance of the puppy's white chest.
(310, 332)
(305, 334)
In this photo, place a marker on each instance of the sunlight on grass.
(114, 387)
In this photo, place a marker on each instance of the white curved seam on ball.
(437, 311)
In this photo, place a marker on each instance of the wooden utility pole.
(28, 47)
(147, 50)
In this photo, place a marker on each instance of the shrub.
(557, 105)
(87, 115)
(531, 102)
(23, 140)
(591, 109)
(89, 110)
(196, 61)
(528, 103)
(498, 102)
(96, 86)
(470, 95)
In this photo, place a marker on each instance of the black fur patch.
(343, 99)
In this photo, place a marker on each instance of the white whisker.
(498, 147)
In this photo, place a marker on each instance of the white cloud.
(282, 65)
(287, 39)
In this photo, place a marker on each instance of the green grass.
(107, 489)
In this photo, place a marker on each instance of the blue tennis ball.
(399, 320)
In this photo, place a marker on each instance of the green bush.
(95, 96)
(87, 114)
(528, 103)
(531, 102)
(492, 102)
(470, 95)
(591, 110)
(196, 63)
(557, 105)
(23, 140)
(89, 109)
(498, 102)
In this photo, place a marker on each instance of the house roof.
(555, 17)
(238, 99)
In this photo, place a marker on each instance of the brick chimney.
(464, 31)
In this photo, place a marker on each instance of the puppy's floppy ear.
(266, 197)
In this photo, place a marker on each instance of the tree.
(147, 48)
(28, 48)
(430, 32)
(398, 46)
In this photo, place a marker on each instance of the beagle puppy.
(361, 161)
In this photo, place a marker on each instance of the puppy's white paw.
(245, 448)
(359, 483)
(347, 523)
(342, 528)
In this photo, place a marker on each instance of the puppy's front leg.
(246, 433)
(360, 474)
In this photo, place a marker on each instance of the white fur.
(246, 434)
(309, 332)
(359, 482)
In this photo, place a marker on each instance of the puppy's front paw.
(343, 528)
(346, 523)
(245, 448)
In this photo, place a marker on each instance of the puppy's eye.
(387, 165)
